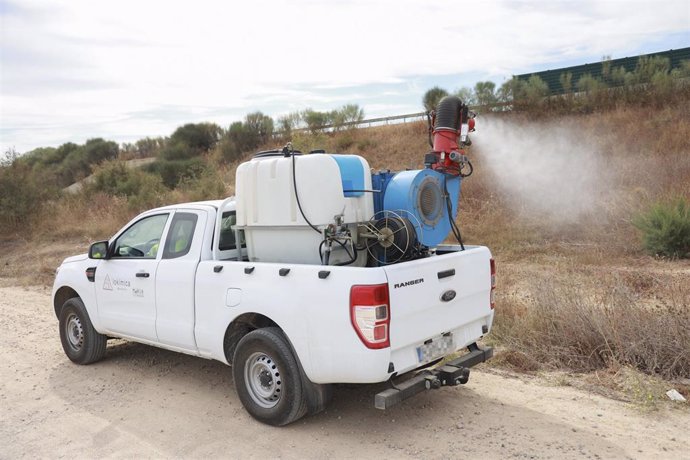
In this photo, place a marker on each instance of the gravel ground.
(145, 402)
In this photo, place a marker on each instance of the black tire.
(268, 378)
(81, 342)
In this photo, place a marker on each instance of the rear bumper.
(453, 373)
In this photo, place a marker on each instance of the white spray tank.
(333, 192)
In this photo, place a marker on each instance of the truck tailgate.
(445, 294)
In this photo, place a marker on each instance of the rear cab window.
(227, 232)
(180, 235)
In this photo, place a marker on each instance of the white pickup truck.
(175, 278)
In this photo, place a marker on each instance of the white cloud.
(77, 69)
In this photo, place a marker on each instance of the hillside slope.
(553, 199)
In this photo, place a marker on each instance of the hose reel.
(389, 237)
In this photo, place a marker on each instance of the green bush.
(23, 193)
(665, 229)
(208, 186)
(176, 151)
(199, 137)
(115, 178)
(175, 171)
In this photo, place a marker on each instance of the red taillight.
(370, 314)
(492, 297)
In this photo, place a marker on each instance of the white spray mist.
(547, 169)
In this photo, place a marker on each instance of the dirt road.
(145, 402)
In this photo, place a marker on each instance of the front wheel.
(268, 379)
(81, 342)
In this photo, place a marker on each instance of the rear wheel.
(268, 378)
(81, 342)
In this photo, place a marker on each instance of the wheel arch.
(62, 295)
(241, 326)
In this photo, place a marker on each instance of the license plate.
(435, 348)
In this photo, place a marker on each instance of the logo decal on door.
(107, 285)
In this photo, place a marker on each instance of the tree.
(648, 66)
(533, 91)
(505, 92)
(149, 147)
(467, 96)
(566, 80)
(588, 84)
(288, 122)
(432, 97)
(351, 113)
(199, 137)
(315, 120)
(485, 93)
(259, 124)
(98, 150)
(242, 137)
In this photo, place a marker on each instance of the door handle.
(142, 275)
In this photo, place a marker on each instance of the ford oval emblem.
(448, 296)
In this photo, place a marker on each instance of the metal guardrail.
(406, 118)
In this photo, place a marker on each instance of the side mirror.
(99, 250)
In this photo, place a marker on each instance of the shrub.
(22, 193)
(344, 142)
(173, 172)
(141, 189)
(228, 151)
(208, 185)
(585, 326)
(177, 151)
(241, 137)
(665, 229)
(199, 137)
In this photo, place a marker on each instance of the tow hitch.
(456, 372)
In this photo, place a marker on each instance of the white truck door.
(175, 279)
(125, 283)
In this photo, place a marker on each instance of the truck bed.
(311, 303)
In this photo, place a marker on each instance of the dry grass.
(586, 320)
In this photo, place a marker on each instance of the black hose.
(323, 262)
(353, 256)
(448, 113)
(299, 205)
(449, 206)
(428, 122)
(469, 163)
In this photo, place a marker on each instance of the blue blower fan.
(420, 197)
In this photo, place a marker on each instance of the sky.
(71, 70)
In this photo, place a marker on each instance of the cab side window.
(141, 240)
(180, 235)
